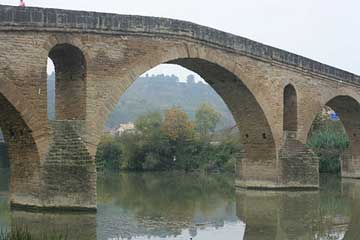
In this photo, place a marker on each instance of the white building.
(124, 127)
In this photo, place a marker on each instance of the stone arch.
(348, 110)
(290, 109)
(255, 130)
(256, 133)
(70, 87)
(23, 154)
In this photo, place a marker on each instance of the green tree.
(180, 132)
(108, 154)
(148, 123)
(206, 119)
(132, 150)
(156, 151)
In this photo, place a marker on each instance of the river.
(177, 206)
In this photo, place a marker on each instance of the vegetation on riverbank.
(170, 142)
(174, 142)
(328, 139)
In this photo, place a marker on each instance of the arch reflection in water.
(351, 190)
(278, 215)
(323, 215)
(179, 206)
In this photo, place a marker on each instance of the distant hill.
(158, 93)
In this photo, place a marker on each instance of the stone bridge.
(273, 95)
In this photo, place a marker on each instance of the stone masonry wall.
(105, 23)
(69, 172)
(23, 155)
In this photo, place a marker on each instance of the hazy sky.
(324, 30)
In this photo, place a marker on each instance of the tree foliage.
(167, 143)
(148, 123)
(206, 119)
(177, 126)
(109, 152)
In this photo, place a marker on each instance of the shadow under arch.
(23, 155)
(290, 109)
(256, 135)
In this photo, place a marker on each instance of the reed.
(22, 233)
(329, 141)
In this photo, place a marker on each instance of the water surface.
(162, 206)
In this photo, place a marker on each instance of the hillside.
(158, 93)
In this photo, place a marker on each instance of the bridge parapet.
(43, 19)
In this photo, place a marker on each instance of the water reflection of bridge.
(142, 206)
(351, 189)
(332, 213)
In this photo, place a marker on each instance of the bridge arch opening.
(254, 133)
(290, 109)
(21, 151)
(67, 85)
(51, 89)
(334, 136)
